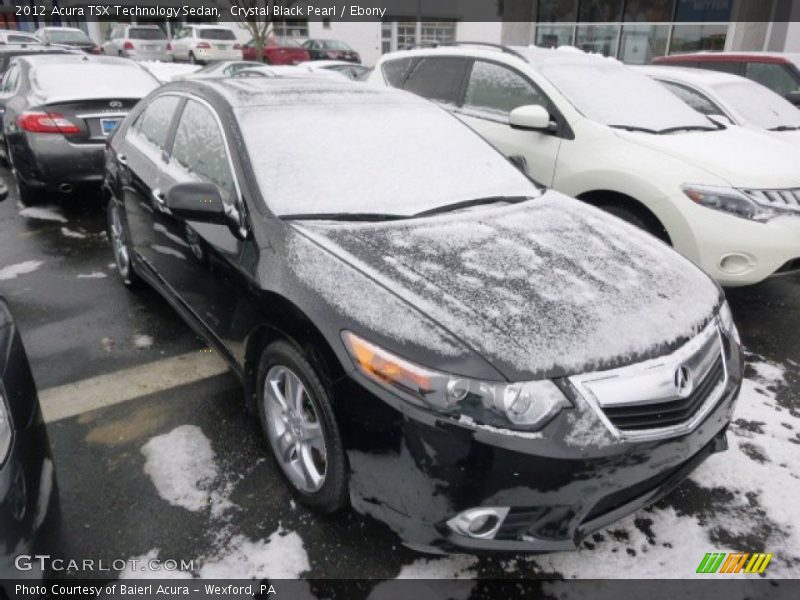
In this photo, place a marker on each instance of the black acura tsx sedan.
(423, 333)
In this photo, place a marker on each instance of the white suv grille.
(786, 199)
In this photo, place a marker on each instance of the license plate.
(109, 125)
(222, 46)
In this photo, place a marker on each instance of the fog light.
(481, 523)
(736, 264)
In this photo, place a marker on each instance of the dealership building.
(634, 31)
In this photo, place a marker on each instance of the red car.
(278, 51)
(780, 72)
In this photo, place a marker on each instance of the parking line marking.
(72, 399)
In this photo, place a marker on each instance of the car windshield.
(335, 45)
(146, 33)
(607, 91)
(758, 105)
(216, 34)
(66, 36)
(401, 158)
(98, 79)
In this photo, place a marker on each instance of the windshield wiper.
(469, 203)
(343, 217)
(632, 128)
(785, 128)
(688, 128)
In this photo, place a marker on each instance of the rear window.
(286, 42)
(216, 34)
(58, 36)
(21, 39)
(142, 33)
(335, 45)
(98, 80)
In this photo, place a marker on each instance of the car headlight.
(726, 320)
(5, 428)
(526, 405)
(728, 200)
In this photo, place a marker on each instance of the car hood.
(544, 288)
(743, 158)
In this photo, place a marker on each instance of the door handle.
(122, 159)
(159, 199)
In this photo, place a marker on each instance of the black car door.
(200, 261)
(143, 157)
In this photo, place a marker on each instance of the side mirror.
(195, 201)
(3, 191)
(531, 117)
(794, 97)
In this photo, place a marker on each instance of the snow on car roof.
(701, 77)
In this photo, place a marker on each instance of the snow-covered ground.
(740, 500)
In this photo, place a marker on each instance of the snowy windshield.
(607, 91)
(98, 80)
(398, 158)
(758, 105)
(66, 36)
(216, 34)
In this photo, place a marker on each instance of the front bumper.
(416, 471)
(215, 55)
(45, 160)
(736, 251)
(163, 56)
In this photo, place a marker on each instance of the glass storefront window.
(641, 43)
(598, 38)
(695, 37)
(558, 10)
(600, 10)
(553, 36)
(649, 11)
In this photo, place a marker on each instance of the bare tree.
(259, 19)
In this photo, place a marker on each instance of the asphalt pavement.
(157, 458)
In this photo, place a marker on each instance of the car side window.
(153, 124)
(200, 149)
(10, 80)
(700, 102)
(774, 76)
(437, 78)
(497, 90)
(394, 71)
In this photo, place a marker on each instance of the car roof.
(735, 56)
(54, 28)
(701, 77)
(295, 91)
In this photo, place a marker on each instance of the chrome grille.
(662, 397)
(786, 199)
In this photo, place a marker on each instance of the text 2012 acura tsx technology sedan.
(423, 332)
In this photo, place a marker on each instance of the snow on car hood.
(544, 288)
(744, 158)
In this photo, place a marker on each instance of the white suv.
(201, 44)
(588, 126)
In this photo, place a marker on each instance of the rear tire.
(28, 196)
(119, 244)
(192, 59)
(297, 419)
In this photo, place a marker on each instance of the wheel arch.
(603, 197)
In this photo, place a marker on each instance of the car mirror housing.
(196, 201)
(794, 97)
(532, 117)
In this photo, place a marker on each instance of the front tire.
(120, 246)
(192, 59)
(633, 217)
(296, 415)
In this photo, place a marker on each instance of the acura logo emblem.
(683, 381)
(115, 104)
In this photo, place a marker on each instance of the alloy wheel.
(118, 241)
(294, 429)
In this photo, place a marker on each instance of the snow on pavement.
(43, 213)
(142, 341)
(23, 268)
(182, 466)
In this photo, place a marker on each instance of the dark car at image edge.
(29, 503)
(479, 363)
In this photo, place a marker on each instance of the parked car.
(780, 72)
(71, 37)
(12, 36)
(206, 43)
(278, 51)
(331, 50)
(290, 71)
(480, 363)
(8, 53)
(54, 131)
(350, 70)
(29, 504)
(226, 68)
(140, 42)
(738, 100)
(602, 132)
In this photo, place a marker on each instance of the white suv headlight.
(728, 200)
(526, 405)
(5, 428)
